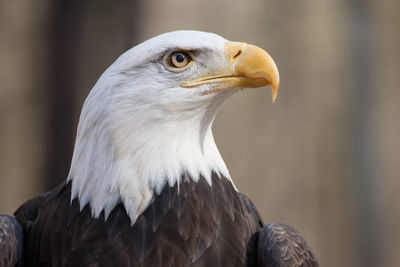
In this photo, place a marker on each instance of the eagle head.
(147, 121)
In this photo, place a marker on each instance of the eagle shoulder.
(281, 245)
(11, 241)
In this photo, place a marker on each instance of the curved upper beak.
(248, 67)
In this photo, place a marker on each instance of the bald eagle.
(147, 184)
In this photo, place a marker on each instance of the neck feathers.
(130, 159)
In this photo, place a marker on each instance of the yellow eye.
(179, 59)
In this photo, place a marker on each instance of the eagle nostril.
(237, 54)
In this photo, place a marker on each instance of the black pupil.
(180, 58)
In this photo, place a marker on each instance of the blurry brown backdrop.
(325, 158)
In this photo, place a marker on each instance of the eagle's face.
(179, 74)
(147, 121)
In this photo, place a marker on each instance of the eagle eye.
(179, 59)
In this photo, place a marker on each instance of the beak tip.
(274, 98)
(274, 91)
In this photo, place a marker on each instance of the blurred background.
(324, 158)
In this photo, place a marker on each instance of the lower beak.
(249, 67)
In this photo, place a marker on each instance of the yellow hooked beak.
(249, 67)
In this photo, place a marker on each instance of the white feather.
(140, 130)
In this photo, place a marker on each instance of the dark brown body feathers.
(202, 225)
(193, 225)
